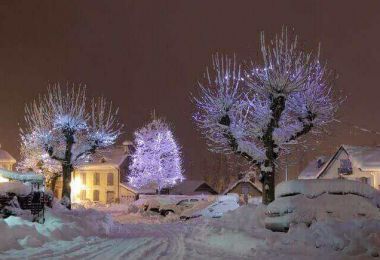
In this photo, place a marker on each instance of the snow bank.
(314, 188)
(60, 224)
(14, 187)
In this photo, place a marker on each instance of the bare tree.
(256, 112)
(68, 130)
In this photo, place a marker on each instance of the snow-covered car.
(222, 205)
(184, 208)
(306, 201)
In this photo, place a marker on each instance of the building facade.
(360, 163)
(101, 179)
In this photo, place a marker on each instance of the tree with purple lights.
(157, 159)
(257, 111)
(62, 128)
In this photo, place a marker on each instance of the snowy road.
(240, 234)
(167, 241)
(160, 241)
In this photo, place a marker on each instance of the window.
(345, 167)
(96, 195)
(83, 195)
(363, 180)
(110, 179)
(96, 178)
(83, 178)
(110, 196)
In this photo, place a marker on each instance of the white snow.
(314, 188)
(25, 177)
(238, 234)
(15, 187)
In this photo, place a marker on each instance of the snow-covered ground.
(239, 234)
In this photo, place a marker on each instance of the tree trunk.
(53, 183)
(268, 187)
(66, 188)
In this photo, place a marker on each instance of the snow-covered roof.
(113, 157)
(366, 158)
(6, 157)
(243, 180)
(19, 176)
(189, 187)
(314, 168)
(128, 187)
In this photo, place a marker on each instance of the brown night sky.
(150, 54)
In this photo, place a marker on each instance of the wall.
(89, 186)
(332, 172)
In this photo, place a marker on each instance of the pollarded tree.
(157, 159)
(255, 113)
(64, 127)
(36, 159)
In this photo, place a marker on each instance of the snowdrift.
(60, 224)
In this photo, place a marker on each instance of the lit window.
(83, 194)
(110, 179)
(96, 178)
(83, 178)
(96, 195)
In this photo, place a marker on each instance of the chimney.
(126, 145)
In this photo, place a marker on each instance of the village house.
(6, 162)
(101, 179)
(246, 187)
(360, 163)
(192, 187)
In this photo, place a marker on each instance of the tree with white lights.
(35, 159)
(63, 127)
(157, 159)
(257, 111)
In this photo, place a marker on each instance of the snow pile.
(60, 224)
(14, 187)
(356, 237)
(314, 188)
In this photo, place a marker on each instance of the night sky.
(146, 55)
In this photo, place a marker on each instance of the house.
(101, 179)
(193, 187)
(6, 160)
(361, 163)
(246, 187)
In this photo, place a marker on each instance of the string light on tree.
(157, 159)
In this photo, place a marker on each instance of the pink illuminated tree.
(157, 159)
(257, 111)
